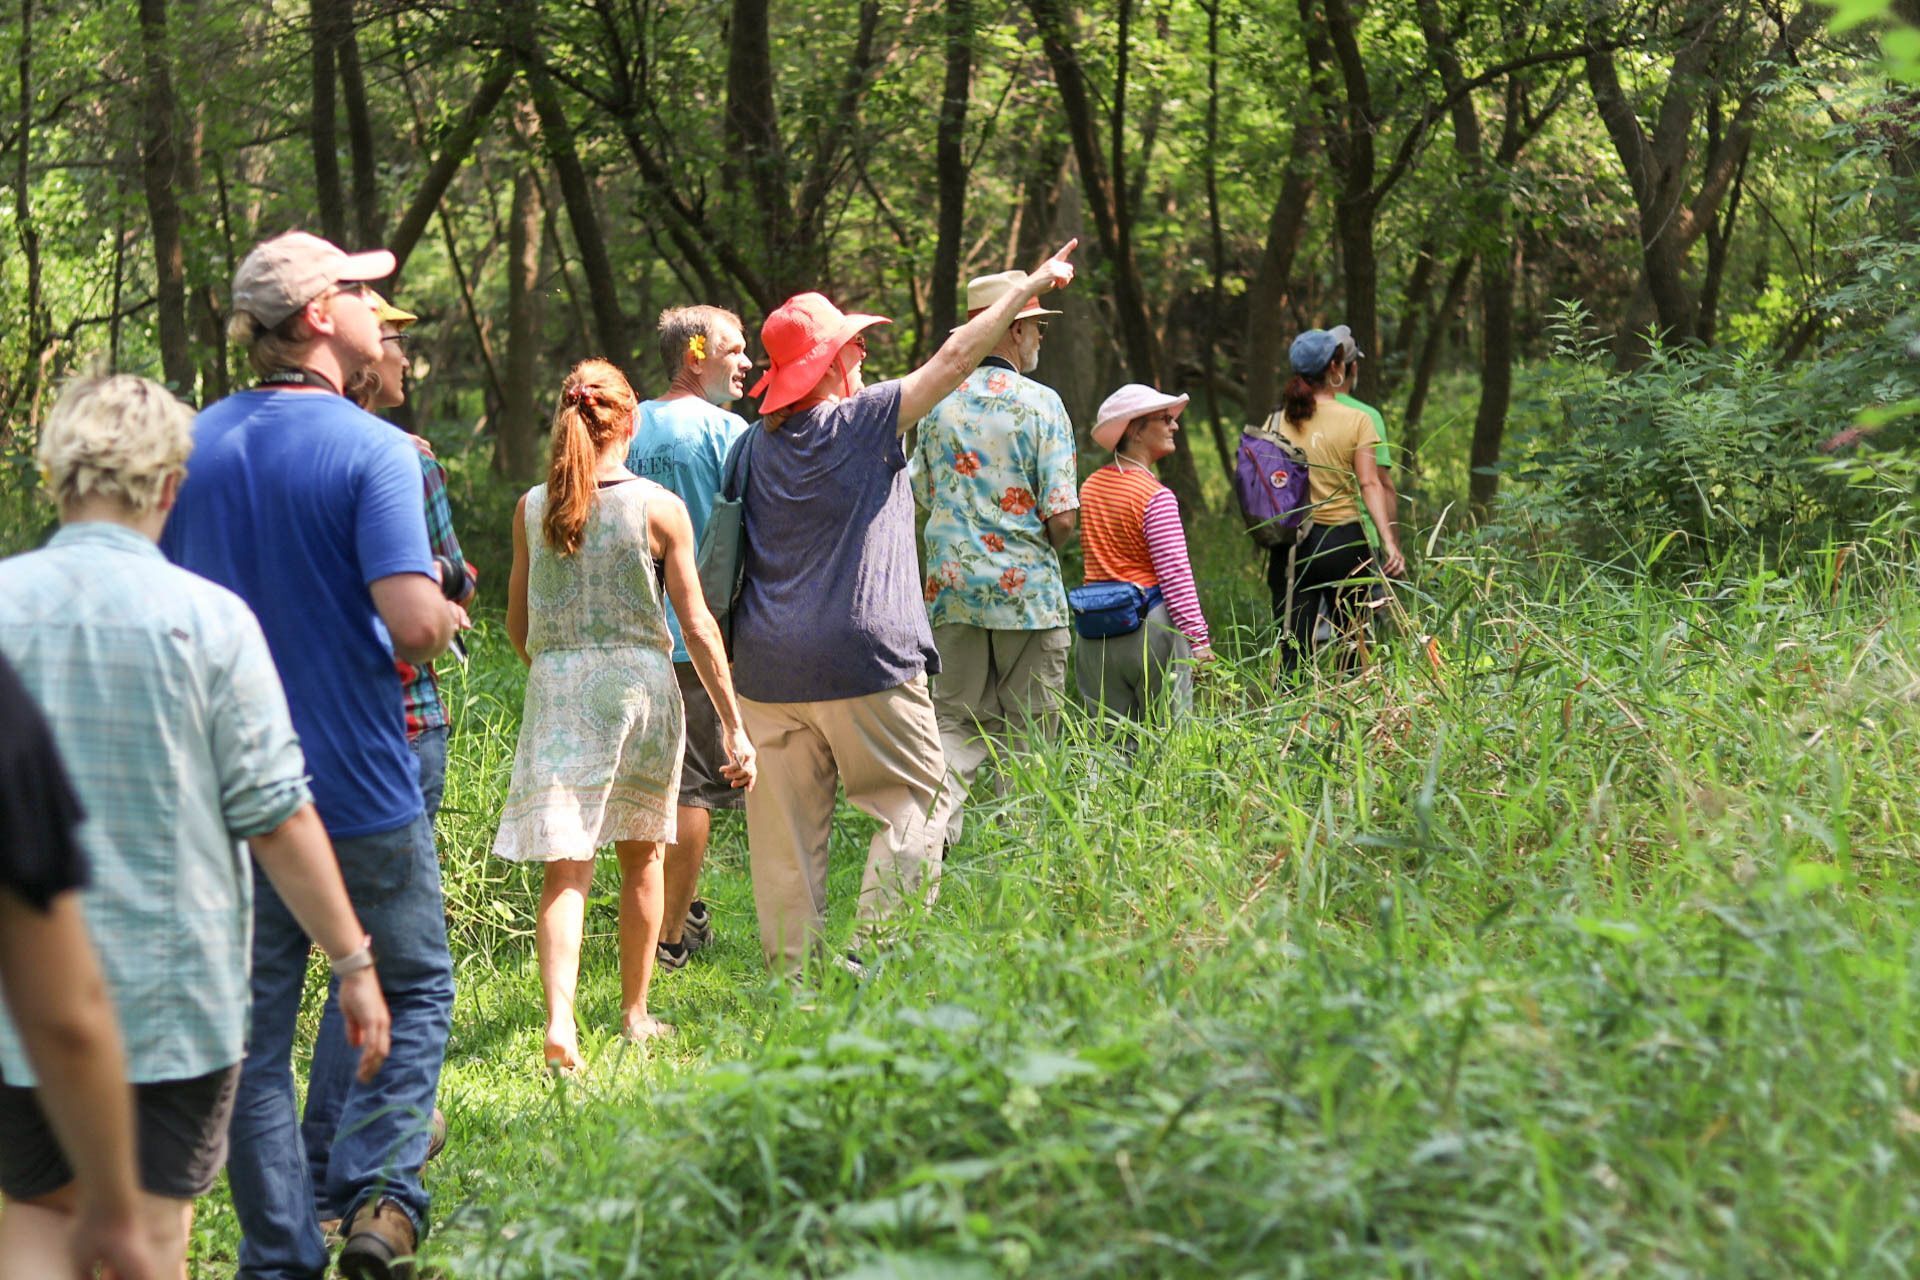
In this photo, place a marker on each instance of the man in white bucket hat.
(995, 468)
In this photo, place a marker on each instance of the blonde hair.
(596, 402)
(272, 348)
(114, 436)
(679, 326)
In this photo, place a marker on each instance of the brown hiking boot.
(380, 1243)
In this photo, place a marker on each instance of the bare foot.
(562, 1054)
(643, 1028)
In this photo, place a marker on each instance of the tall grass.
(1574, 942)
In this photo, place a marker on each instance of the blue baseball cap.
(1312, 352)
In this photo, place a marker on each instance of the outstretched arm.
(968, 345)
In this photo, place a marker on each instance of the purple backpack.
(1270, 479)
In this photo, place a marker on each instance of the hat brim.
(1033, 311)
(374, 264)
(782, 384)
(1107, 433)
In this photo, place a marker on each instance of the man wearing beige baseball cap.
(995, 469)
(311, 510)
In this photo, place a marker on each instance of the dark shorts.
(701, 784)
(181, 1133)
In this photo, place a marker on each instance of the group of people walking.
(231, 640)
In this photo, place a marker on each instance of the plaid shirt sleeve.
(440, 535)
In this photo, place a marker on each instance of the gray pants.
(1130, 675)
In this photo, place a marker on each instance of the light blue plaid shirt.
(171, 721)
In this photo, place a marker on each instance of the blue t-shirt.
(831, 606)
(295, 501)
(682, 444)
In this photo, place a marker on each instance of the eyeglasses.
(399, 340)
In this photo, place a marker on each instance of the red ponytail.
(596, 403)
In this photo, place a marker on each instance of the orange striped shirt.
(1113, 517)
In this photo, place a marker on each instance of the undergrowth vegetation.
(1574, 938)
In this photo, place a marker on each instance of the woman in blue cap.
(1338, 442)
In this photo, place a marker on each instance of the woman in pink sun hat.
(831, 644)
(1130, 532)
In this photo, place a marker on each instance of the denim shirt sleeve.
(263, 773)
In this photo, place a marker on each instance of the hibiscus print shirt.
(994, 460)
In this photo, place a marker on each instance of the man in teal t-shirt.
(680, 441)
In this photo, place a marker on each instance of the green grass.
(1588, 952)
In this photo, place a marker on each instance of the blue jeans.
(330, 1079)
(379, 1141)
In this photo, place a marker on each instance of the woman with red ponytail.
(599, 753)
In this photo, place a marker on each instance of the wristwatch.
(354, 961)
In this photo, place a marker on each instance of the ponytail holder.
(581, 396)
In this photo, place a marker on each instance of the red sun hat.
(801, 338)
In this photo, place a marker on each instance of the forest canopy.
(1442, 176)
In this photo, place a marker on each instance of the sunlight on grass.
(1571, 939)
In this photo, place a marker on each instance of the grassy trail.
(1586, 952)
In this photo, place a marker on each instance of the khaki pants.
(885, 749)
(996, 689)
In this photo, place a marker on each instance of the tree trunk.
(27, 390)
(516, 437)
(1104, 199)
(950, 164)
(1216, 245)
(160, 171)
(1719, 238)
(556, 135)
(454, 148)
(323, 128)
(1428, 363)
(1498, 270)
(353, 85)
(1268, 325)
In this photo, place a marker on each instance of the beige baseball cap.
(285, 273)
(984, 291)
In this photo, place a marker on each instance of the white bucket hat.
(1130, 402)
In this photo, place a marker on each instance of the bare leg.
(563, 919)
(642, 899)
(684, 859)
(34, 1235)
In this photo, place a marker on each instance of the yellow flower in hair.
(697, 346)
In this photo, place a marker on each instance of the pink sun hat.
(1129, 402)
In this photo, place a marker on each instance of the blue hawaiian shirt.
(994, 460)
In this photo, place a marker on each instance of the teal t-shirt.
(682, 444)
(1382, 454)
